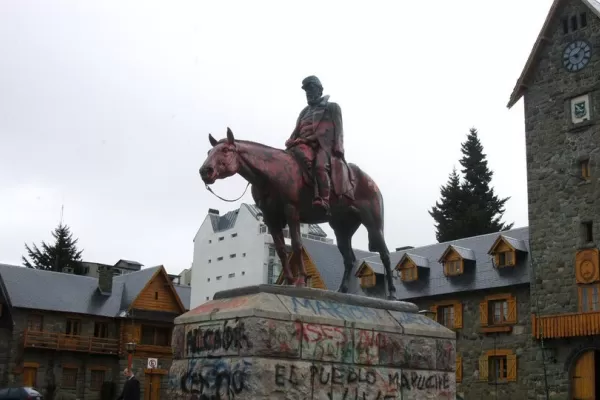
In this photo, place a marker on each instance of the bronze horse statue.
(284, 194)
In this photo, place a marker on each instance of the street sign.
(152, 363)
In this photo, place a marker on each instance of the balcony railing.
(565, 325)
(61, 341)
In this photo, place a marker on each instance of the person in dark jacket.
(131, 388)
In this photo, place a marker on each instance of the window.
(100, 329)
(449, 313)
(498, 311)
(206, 297)
(209, 260)
(234, 235)
(409, 274)
(587, 231)
(453, 267)
(209, 241)
(220, 259)
(243, 272)
(263, 229)
(446, 316)
(565, 25)
(243, 254)
(574, 23)
(221, 238)
(588, 298)
(271, 251)
(156, 335)
(497, 366)
(73, 327)
(583, 20)
(69, 377)
(155, 295)
(505, 258)
(458, 369)
(232, 256)
(35, 322)
(96, 379)
(219, 277)
(368, 279)
(232, 275)
(585, 169)
(207, 279)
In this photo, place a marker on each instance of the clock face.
(577, 55)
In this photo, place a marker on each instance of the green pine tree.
(448, 212)
(484, 209)
(55, 257)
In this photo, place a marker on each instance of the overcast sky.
(105, 107)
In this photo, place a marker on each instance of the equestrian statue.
(308, 182)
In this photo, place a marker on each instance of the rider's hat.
(311, 79)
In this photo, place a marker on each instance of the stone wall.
(558, 201)
(301, 345)
(52, 361)
(472, 343)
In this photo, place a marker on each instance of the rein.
(229, 201)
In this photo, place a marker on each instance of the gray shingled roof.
(418, 260)
(227, 220)
(484, 275)
(185, 293)
(54, 291)
(329, 261)
(516, 243)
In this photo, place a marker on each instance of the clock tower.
(560, 87)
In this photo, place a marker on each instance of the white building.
(234, 250)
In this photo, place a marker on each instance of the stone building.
(72, 330)
(560, 89)
(524, 303)
(477, 286)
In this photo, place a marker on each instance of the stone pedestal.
(277, 342)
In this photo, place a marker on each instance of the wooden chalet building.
(73, 329)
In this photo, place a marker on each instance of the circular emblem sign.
(587, 270)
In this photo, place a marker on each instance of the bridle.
(227, 200)
(221, 198)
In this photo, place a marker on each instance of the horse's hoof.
(300, 282)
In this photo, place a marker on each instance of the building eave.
(520, 87)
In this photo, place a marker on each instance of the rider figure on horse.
(318, 142)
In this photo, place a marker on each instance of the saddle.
(340, 175)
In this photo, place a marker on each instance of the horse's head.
(222, 161)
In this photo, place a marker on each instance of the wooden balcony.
(64, 342)
(565, 325)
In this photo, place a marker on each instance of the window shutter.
(512, 311)
(433, 309)
(497, 260)
(458, 369)
(483, 313)
(458, 315)
(483, 368)
(511, 368)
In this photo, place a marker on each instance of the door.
(29, 376)
(584, 377)
(152, 387)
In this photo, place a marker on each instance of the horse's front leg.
(279, 242)
(293, 219)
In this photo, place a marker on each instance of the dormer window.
(411, 267)
(367, 273)
(409, 272)
(504, 251)
(454, 259)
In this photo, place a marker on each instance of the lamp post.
(130, 350)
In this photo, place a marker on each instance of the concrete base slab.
(278, 342)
